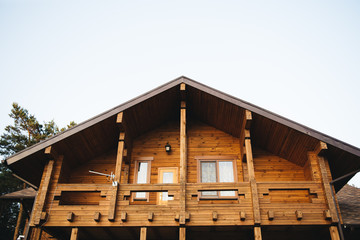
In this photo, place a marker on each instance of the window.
(214, 169)
(166, 175)
(142, 175)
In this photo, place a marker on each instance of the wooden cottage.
(185, 161)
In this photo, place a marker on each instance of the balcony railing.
(281, 203)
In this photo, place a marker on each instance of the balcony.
(281, 203)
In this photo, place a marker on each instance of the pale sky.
(72, 60)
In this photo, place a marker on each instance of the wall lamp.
(168, 147)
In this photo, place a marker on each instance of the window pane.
(226, 171)
(168, 177)
(142, 178)
(208, 175)
(226, 174)
(208, 172)
(142, 172)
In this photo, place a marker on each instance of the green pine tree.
(24, 132)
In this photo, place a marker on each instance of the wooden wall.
(205, 140)
(269, 167)
(104, 164)
(152, 144)
(277, 179)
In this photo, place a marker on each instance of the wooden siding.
(152, 144)
(288, 194)
(269, 167)
(205, 140)
(103, 164)
(281, 140)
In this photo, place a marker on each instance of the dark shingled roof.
(26, 193)
(349, 202)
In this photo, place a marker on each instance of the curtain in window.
(226, 174)
(208, 175)
(168, 177)
(142, 177)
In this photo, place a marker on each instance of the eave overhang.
(338, 150)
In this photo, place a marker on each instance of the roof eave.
(241, 103)
(52, 140)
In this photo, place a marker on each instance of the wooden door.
(166, 175)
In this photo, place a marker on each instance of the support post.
(244, 126)
(74, 234)
(257, 233)
(119, 160)
(328, 190)
(182, 233)
(43, 189)
(143, 231)
(36, 233)
(334, 233)
(251, 173)
(18, 222)
(183, 162)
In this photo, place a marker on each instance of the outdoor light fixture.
(168, 147)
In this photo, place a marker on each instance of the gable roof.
(205, 102)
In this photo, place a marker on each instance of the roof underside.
(271, 132)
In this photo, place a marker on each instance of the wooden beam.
(70, 216)
(97, 216)
(123, 216)
(183, 162)
(120, 121)
(182, 233)
(182, 87)
(183, 91)
(242, 216)
(214, 216)
(74, 233)
(44, 216)
(112, 206)
(36, 233)
(187, 216)
(151, 216)
(115, 190)
(327, 214)
(126, 172)
(143, 233)
(18, 222)
(257, 233)
(320, 148)
(51, 153)
(251, 174)
(119, 118)
(270, 214)
(327, 189)
(299, 214)
(246, 122)
(119, 157)
(248, 118)
(42, 192)
(334, 233)
(48, 150)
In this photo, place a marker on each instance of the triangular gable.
(292, 129)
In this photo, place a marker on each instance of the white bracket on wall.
(111, 176)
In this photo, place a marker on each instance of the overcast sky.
(72, 60)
